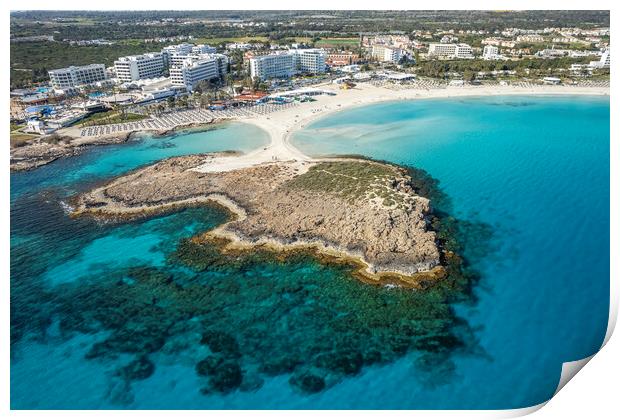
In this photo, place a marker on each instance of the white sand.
(281, 124)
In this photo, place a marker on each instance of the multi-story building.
(450, 50)
(491, 52)
(605, 60)
(180, 49)
(310, 60)
(530, 38)
(339, 59)
(385, 53)
(73, 76)
(196, 68)
(203, 49)
(136, 67)
(175, 54)
(499, 42)
(273, 66)
(285, 64)
(603, 63)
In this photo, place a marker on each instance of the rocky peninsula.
(46, 149)
(348, 208)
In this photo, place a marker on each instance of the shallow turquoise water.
(100, 163)
(536, 169)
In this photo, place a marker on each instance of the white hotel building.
(273, 66)
(176, 54)
(196, 68)
(311, 60)
(288, 63)
(450, 50)
(491, 52)
(136, 67)
(73, 76)
(386, 53)
(603, 63)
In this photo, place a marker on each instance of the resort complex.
(216, 74)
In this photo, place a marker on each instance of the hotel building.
(73, 76)
(450, 50)
(491, 52)
(196, 68)
(603, 63)
(605, 60)
(273, 66)
(176, 54)
(387, 54)
(179, 49)
(136, 67)
(310, 60)
(203, 49)
(288, 63)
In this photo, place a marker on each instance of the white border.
(593, 395)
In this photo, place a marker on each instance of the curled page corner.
(520, 412)
(569, 370)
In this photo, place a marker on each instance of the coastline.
(282, 124)
(34, 155)
(272, 212)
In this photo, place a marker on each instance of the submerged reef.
(242, 315)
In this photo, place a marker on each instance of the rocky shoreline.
(41, 151)
(360, 210)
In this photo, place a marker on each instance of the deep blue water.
(535, 169)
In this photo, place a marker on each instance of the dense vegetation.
(337, 29)
(120, 25)
(30, 61)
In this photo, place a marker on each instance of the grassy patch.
(351, 180)
(336, 42)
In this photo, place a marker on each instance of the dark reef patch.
(248, 315)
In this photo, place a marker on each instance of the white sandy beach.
(281, 124)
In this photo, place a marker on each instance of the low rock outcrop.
(356, 208)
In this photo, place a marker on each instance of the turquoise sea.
(105, 315)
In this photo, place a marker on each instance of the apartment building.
(73, 76)
(196, 68)
(136, 67)
(450, 50)
(530, 38)
(386, 53)
(499, 42)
